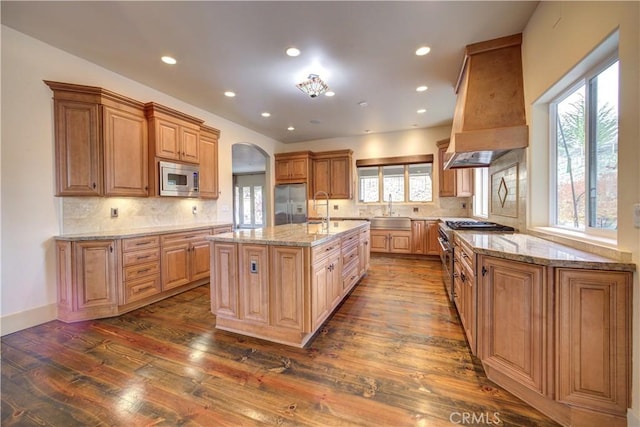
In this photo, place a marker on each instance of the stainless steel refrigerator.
(290, 203)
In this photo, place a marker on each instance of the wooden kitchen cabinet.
(391, 241)
(453, 182)
(101, 142)
(418, 237)
(292, 167)
(326, 283)
(465, 290)
(173, 135)
(514, 321)
(253, 264)
(185, 258)
(140, 268)
(87, 279)
(593, 339)
(224, 294)
(432, 245)
(364, 251)
(288, 281)
(209, 187)
(332, 174)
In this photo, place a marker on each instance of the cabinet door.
(190, 145)
(319, 292)
(447, 178)
(254, 282)
(513, 320)
(78, 150)
(96, 275)
(379, 241)
(125, 153)
(299, 169)
(287, 287)
(364, 252)
(283, 170)
(335, 279)
(224, 280)
(433, 247)
(400, 242)
(200, 260)
(321, 176)
(593, 339)
(175, 265)
(418, 237)
(340, 178)
(167, 139)
(208, 167)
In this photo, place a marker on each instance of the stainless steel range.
(445, 239)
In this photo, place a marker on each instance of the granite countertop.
(534, 250)
(138, 232)
(304, 234)
(368, 218)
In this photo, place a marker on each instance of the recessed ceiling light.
(292, 51)
(421, 88)
(229, 94)
(423, 50)
(363, 103)
(330, 93)
(169, 60)
(291, 128)
(422, 110)
(266, 114)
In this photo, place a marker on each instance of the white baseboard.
(26, 319)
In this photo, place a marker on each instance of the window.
(400, 179)
(584, 151)
(481, 192)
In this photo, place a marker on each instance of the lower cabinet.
(559, 338)
(103, 278)
(254, 276)
(391, 241)
(287, 292)
(224, 295)
(326, 285)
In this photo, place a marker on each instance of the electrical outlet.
(114, 212)
(335, 207)
(194, 210)
(415, 210)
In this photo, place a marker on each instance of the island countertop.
(305, 234)
(139, 232)
(534, 250)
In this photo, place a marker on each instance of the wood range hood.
(489, 118)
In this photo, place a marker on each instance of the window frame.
(585, 80)
(405, 162)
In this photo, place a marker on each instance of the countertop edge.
(139, 232)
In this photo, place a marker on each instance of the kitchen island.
(282, 283)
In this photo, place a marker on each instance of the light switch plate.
(114, 212)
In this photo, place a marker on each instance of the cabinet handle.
(484, 270)
(144, 270)
(464, 255)
(143, 257)
(189, 237)
(142, 289)
(110, 248)
(143, 243)
(94, 185)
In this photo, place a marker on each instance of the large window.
(400, 179)
(584, 147)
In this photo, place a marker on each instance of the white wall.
(558, 36)
(30, 214)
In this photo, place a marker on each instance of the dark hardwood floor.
(392, 355)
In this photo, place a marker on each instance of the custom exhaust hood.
(489, 118)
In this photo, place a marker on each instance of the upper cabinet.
(100, 142)
(489, 117)
(332, 174)
(173, 135)
(453, 182)
(209, 162)
(292, 167)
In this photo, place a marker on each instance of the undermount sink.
(391, 222)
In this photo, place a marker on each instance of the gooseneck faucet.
(315, 200)
(390, 205)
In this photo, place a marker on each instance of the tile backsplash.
(508, 183)
(445, 207)
(90, 214)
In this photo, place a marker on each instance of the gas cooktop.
(478, 225)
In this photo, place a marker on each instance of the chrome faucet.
(390, 205)
(315, 200)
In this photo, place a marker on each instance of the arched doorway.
(250, 188)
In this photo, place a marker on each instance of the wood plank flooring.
(393, 354)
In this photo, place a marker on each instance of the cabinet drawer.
(350, 275)
(139, 289)
(136, 271)
(222, 229)
(136, 243)
(321, 251)
(138, 257)
(350, 253)
(352, 237)
(179, 238)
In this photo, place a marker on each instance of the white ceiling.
(363, 50)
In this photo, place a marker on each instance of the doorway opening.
(250, 195)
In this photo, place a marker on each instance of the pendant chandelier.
(313, 86)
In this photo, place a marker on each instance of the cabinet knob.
(94, 185)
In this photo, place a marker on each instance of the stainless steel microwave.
(179, 180)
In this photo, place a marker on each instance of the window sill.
(603, 246)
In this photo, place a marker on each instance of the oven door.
(446, 256)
